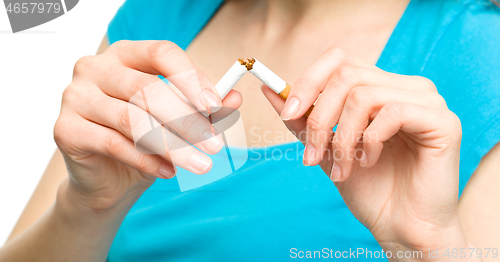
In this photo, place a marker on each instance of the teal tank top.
(272, 207)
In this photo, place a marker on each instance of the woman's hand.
(395, 154)
(115, 98)
(114, 114)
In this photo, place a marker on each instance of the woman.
(396, 157)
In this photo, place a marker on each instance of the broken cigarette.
(229, 80)
(259, 70)
(268, 77)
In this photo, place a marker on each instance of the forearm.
(68, 231)
(479, 207)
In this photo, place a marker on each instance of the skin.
(104, 182)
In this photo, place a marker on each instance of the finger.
(148, 134)
(231, 103)
(436, 129)
(167, 59)
(122, 82)
(233, 100)
(296, 126)
(334, 96)
(134, 121)
(307, 88)
(117, 78)
(180, 117)
(276, 101)
(361, 105)
(342, 79)
(107, 142)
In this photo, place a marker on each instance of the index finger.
(309, 86)
(169, 60)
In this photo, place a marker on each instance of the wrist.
(72, 226)
(72, 202)
(444, 244)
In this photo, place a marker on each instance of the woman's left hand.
(394, 156)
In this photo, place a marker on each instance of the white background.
(35, 67)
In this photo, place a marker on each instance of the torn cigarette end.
(248, 64)
(265, 75)
(268, 77)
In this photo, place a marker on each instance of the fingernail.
(212, 102)
(363, 161)
(166, 171)
(212, 142)
(199, 162)
(291, 108)
(336, 173)
(309, 154)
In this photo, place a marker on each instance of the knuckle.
(338, 53)
(60, 132)
(314, 122)
(188, 123)
(172, 146)
(359, 96)
(139, 83)
(142, 162)
(339, 143)
(449, 131)
(113, 145)
(393, 109)
(124, 121)
(83, 64)
(429, 99)
(426, 83)
(455, 125)
(304, 81)
(370, 136)
(192, 76)
(70, 94)
(64, 133)
(348, 74)
(161, 49)
(437, 101)
(118, 45)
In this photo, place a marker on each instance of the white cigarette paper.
(229, 80)
(268, 77)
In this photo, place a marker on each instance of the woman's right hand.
(101, 115)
